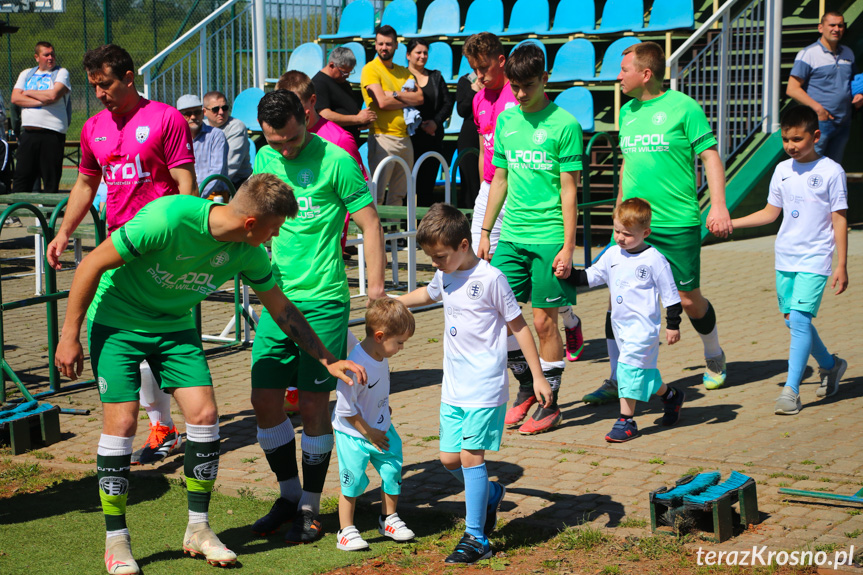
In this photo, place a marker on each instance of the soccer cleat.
(469, 550)
(394, 528)
(161, 442)
(606, 393)
(524, 400)
(491, 509)
(672, 407)
(118, 556)
(623, 430)
(542, 420)
(574, 343)
(280, 513)
(788, 402)
(714, 375)
(349, 539)
(830, 377)
(200, 540)
(306, 529)
(292, 401)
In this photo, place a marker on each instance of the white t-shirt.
(478, 303)
(808, 194)
(636, 282)
(53, 116)
(370, 401)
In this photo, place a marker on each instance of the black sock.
(283, 461)
(628, 417)
(705, 324)
(518, 364)
(668, 395)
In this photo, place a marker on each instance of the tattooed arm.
(295, 326)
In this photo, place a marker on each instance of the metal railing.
(731, 75)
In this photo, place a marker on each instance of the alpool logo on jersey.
(190, 281)
(220, 259)
(308, 210)
(529, 159)
(659, 118)
(115, 173)
(305, 178)
(815, 181)
(540, 136)
(644, 143)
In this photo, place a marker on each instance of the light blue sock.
(457, 473)
(820, 353)
(475, 499)
(801, 346)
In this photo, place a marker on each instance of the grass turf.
(61, 530)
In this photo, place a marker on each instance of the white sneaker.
(394, 528)
(200, 539)
(118, 556)
(349, 539)
(788, 403)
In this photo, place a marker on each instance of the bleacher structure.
(730, 57)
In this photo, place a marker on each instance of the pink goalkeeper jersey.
(487, 106)
(335, 134)
(134, 153)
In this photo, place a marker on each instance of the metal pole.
(106, 6)
(260, 40)
(203, 56)
(722, 88)
(775, 51)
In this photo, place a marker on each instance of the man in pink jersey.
(143, 151)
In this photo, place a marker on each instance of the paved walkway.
(572, 475)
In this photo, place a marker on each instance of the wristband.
(486, 230)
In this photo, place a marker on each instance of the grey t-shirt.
(53, 116)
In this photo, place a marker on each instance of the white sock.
(711, 343)
(310, 502)
(613, 355)
(117, 533)
(291, 489)
(570, 320)
(153, 399)
(195, 517)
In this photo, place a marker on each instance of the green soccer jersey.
(534, 149)
(659, 139)
(172, 264)
(307, 254)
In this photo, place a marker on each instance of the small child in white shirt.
(362, 427)
(637, 275)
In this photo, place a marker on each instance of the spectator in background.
(209, 144)
(382, 83)
(336, 100)
(821, 79)
(468, 86)
(434, 111)
(217, 113)
(43, 94)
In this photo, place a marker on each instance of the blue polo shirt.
(826, 77)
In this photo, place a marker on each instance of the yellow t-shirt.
(389, 122)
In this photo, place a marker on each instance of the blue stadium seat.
(455, 122)
(483, 16)
(463, 68)
(575, 61)
(364, 156)
(534, 41)
(613, 56)
(621, 16)
(574, 16)
(401, 55)
(253, 151)
(670, 15)
(401, 15)
(360, 54)
(245, 107)
(307, 58)
(528, 17)
(578, 101)
(441, 18)
(440, 58)
(357, 20)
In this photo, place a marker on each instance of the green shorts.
(637, 383)
(682, 248)
(354, 454)
(278, 363)
(472, 428)
(176, 358)
(528, 269)
(801, 291)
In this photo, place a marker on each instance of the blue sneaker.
(493, 505)
(623, 430)
(469, 550)
(672, 407)
(714, 374)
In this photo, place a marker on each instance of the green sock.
(201, 467)
(113, 474)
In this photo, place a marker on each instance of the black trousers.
(39, 155)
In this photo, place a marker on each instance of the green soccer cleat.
(606, 393)
(714, 374)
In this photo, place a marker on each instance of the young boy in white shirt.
(363, 430)
(811, 194)
(479, 306)
(637, 275)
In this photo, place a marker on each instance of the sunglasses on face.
(217, 109)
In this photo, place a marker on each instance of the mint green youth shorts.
(471, 428)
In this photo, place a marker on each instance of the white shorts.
(479, 215)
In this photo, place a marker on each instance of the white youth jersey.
(808, 195)
(636, 282)
(478, 303)
(370, 401)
